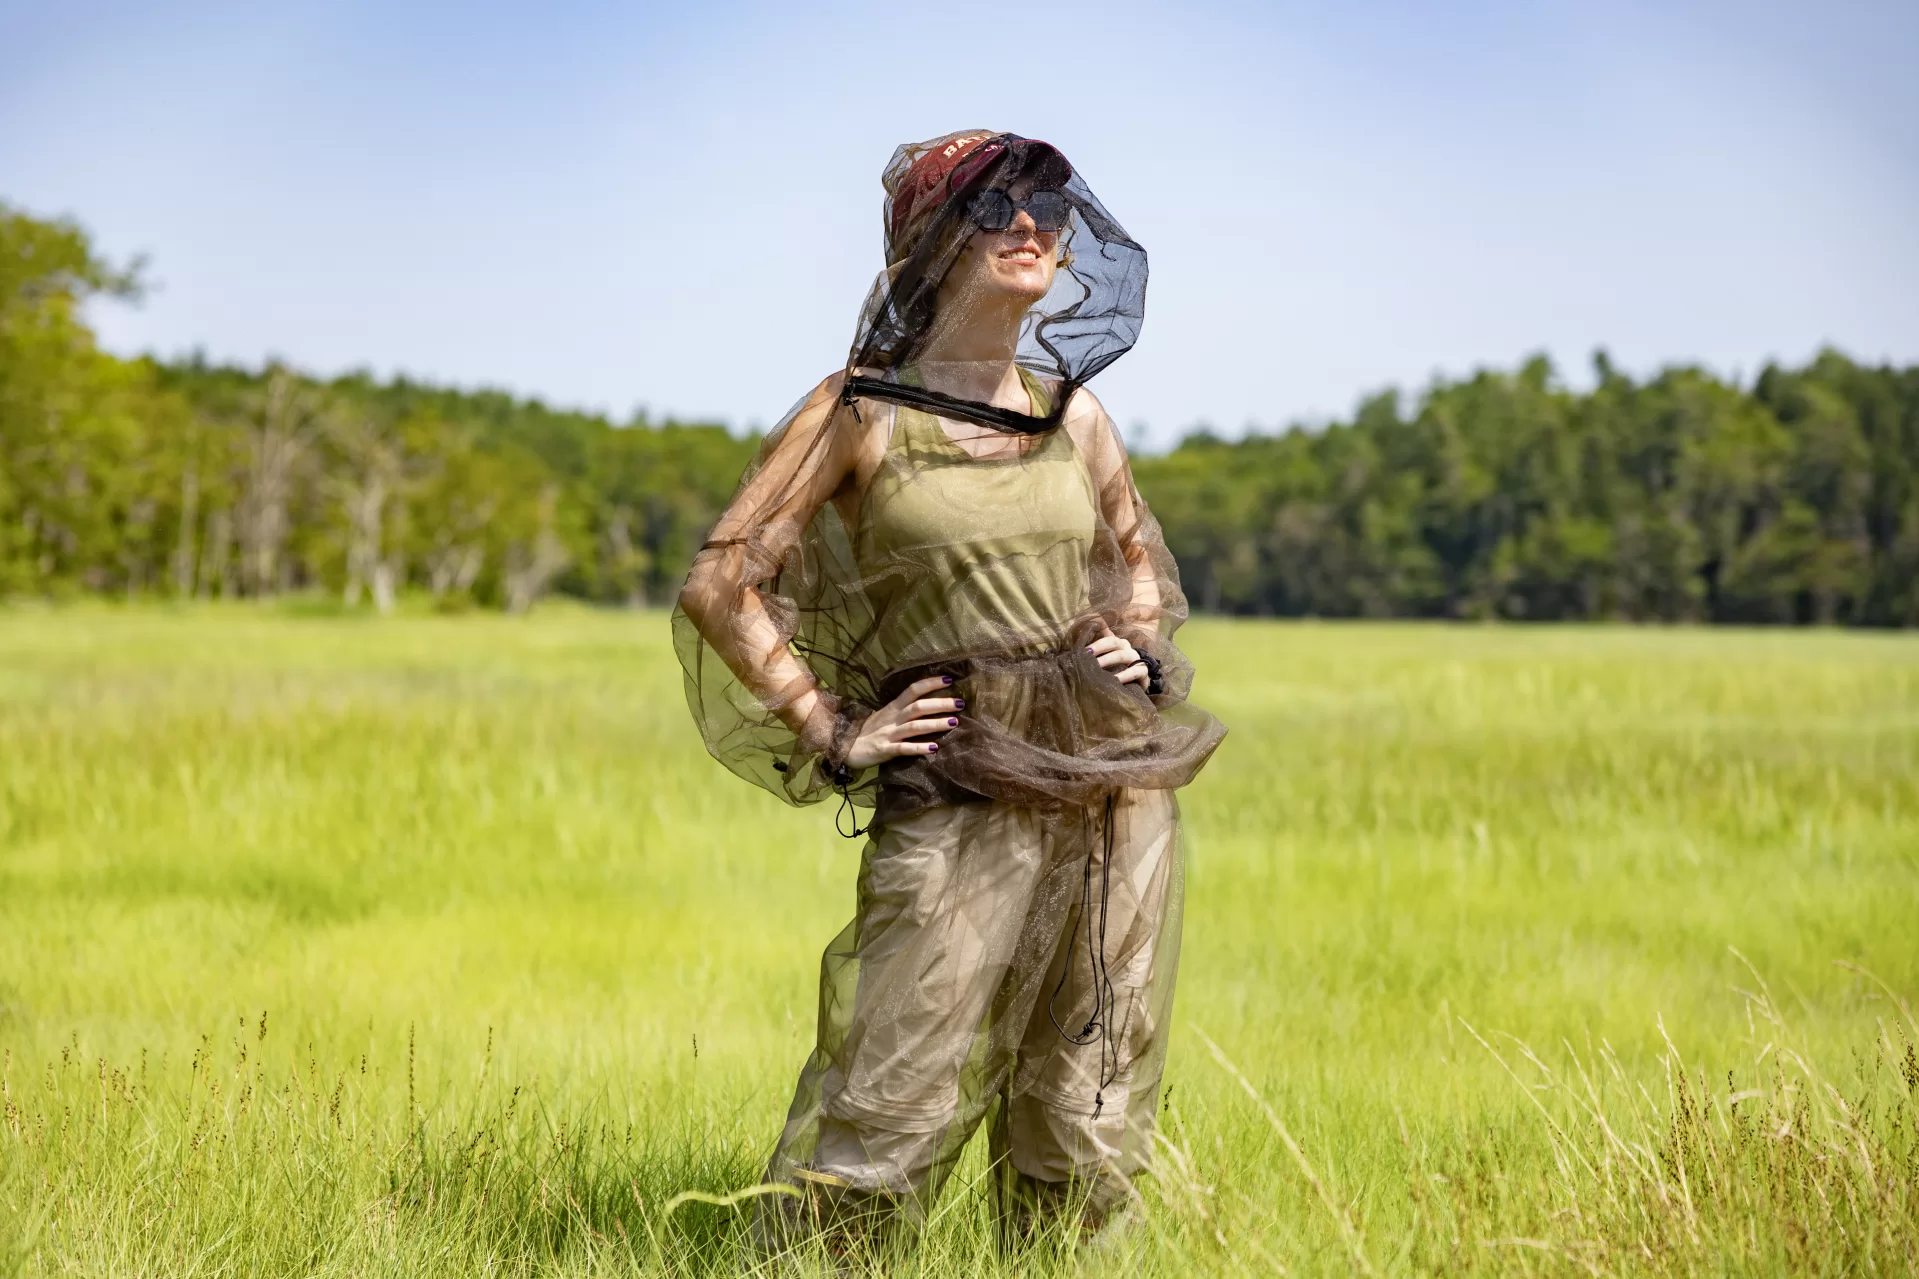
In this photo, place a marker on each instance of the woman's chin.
(1029, 284)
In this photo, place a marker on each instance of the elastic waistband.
(961, 668)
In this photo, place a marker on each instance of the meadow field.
(437, 946)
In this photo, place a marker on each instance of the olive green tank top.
(966, 555)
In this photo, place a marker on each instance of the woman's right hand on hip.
(892, 730)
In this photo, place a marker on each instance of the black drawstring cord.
(842, 782)
(1103, 998)
(1104, 991)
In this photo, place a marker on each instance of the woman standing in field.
(938, 594)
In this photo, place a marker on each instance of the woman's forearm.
(732, 618)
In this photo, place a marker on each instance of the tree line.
(1506, 494)
(143, 477)
(1679, 498)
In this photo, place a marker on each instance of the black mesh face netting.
(957, 503)
(1088, 318)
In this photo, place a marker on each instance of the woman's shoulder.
(1084, 406)
(1087, 421)
(823, 406)
(829, 389)
(855, 410)
(826, 416)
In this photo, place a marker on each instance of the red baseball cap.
(952, 164)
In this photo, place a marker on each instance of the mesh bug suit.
(1017, 924)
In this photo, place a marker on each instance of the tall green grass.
(436, 947)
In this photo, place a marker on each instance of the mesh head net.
(963, 212)
(957, 504)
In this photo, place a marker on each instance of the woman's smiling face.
(1018, 262)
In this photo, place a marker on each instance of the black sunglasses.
(994, 210)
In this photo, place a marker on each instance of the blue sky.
(616, 206)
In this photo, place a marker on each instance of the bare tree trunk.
(375, 472)
(216, 558)
(459, 551)
(365, 504)
(275, 448)
(454, 568)
(472, 560)
(389, 575)
(137, 544)
(626, 564)
(185, 548)
(384, 587)
(530, 570)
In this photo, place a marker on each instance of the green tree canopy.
(1503, 494)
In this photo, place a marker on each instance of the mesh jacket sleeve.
(762, 710)
(1152, 607)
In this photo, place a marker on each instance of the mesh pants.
(975, 943)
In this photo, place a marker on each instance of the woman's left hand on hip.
(1120, 658)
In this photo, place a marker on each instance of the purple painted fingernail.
(951, 722)
(935, 746)
(959, 703)
(1089, 648)
(946, 679)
